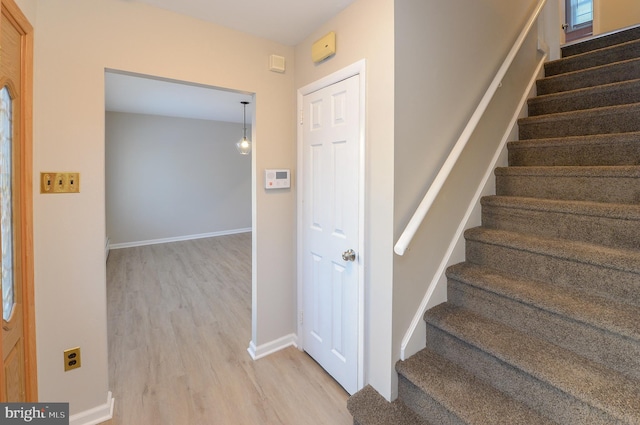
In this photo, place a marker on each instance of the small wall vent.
(276, 63)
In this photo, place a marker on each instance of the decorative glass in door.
(6, 202)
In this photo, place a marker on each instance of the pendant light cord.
(244, 119)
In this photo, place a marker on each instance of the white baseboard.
(95, 416)
(179, 238)
(271, 347)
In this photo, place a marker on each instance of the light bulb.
(244, 146)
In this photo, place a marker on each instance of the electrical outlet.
(72, 359)
(51, 182)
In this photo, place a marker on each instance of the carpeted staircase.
(542, 323)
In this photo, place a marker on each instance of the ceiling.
(141, 94)
(285, 21)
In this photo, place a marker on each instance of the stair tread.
(587, 208)
(368, 407)
(606, 119)
(602, 56)
(605, 223)
(585, 380)
(609, 73)
(589, 70)
(595, 96)
(469, 398)
(584, 113)
(602, 40)
(598, 312)
(610, 149)
(592, 139)
(603, 88)
(630, 171)
(581, 252)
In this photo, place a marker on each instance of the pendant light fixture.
(244, 145)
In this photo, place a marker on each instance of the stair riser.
(606, 231)
(538, 395)
(615, 73)
(424, 405)
(368, 407)
(623, 190)
(604, 347)
(630, 50)
(623, 120)
(576, 154)
(608, 282)
(602, 42)
(617, 95)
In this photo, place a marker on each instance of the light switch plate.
(55, 182)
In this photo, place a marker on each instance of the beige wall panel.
(610, 15)
(75, 42)
(365, 31)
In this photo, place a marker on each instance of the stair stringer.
(414, 338)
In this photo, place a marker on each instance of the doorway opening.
(173, 174)
(172, 169)
(579, 19)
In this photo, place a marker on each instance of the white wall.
(168, 178)
(365, 30)
(610, 15)
(74, 42)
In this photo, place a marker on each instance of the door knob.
(349, 255)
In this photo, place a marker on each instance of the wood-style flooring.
(179, 318)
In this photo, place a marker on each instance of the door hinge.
(301, 317)
(301, 116)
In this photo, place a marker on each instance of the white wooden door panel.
(331, 227)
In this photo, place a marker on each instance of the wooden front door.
(17, 375)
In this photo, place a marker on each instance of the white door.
(330, 226)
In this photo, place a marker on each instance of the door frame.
(583, 31)
(26, 201)
(357, 68)
(562, 11)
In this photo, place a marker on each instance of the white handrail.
(446, 260)
(422, 210)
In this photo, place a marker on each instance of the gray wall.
(447, 53)
(172, 178)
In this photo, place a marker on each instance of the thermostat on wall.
(277, 179)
